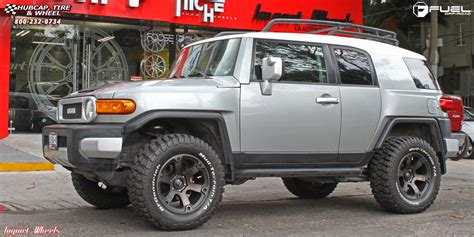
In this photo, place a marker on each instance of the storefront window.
(50, 62)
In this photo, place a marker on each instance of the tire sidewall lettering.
(212, 191)
(154, 191)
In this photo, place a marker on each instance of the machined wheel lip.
(183, 184)
(415, 176)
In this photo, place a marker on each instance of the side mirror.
(272, 70)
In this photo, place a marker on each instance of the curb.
(25, 166)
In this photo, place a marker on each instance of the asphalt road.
(257, 208)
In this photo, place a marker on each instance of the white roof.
(370, 46)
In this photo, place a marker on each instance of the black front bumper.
(69, 137)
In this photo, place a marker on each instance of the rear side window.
(421, 74)
(301, 62)
(354, 67)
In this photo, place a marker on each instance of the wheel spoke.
(165, 179)
(178, 166)
(420, 177)
(401, 173)
(195, 187)
(417, 165)
(170, 196)
(408, 162)
(184, 199)
(405, 187)
(191, 171)
(415, 188)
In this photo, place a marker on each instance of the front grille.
(72, 111)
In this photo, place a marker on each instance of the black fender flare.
(142, 119)
(439, 132)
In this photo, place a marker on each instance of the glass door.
(71, 57)
(103, 60)
(53, 65)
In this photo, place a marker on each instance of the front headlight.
(89, 111)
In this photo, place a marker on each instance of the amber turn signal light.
(115, 106)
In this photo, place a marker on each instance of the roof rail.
(225, 33)
(342, 28)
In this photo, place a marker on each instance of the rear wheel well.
(421, 130)
(426, 131)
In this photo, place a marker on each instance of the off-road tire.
(385, 179)
(90, 191)
(308, 190)
(153, 157)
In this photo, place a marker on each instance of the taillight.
(447, 104)
(453, 105)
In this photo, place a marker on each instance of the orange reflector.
(115, 106)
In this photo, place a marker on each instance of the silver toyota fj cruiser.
(315, 109)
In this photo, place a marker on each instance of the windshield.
(215, 58)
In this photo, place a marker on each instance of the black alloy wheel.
(182, 185)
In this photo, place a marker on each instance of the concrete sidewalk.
(23, 152)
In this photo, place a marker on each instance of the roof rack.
(342, 28)
(225, 33)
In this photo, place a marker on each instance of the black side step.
(298, 172)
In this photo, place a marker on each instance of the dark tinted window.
(354, 67)
(421, 74)
(301, 63)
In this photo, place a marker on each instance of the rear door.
(299, 123)
(361, 102)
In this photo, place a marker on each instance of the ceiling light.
(19, 33)
(105, 39)
(49, 43)
(25, 33)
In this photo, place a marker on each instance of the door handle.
(327, 100)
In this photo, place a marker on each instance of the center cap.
(179, 183)
(408, 176)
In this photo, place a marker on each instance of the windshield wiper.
(176, 77)
(200, 73)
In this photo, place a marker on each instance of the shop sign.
(41, 14)
(131, 3)
(421, 9)
(207, 9)
(316, 14)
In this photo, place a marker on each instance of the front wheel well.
(209, 130)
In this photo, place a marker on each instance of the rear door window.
(421, 74)
(354, 67)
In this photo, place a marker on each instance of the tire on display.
(308, 190)
(102, 198)
(405, 175)
(176, 182)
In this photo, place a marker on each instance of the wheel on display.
(53, 68)
(153, 41)
(153, 66)
(187, 38)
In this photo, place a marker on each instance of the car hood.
(109, 90)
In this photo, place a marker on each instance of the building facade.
(456, 51)
(49, 49)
